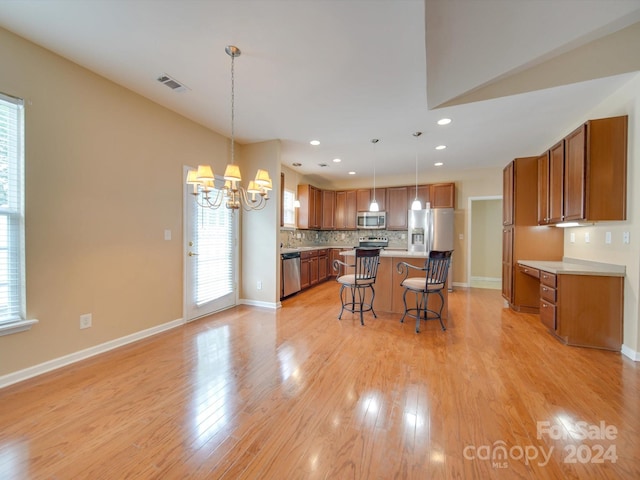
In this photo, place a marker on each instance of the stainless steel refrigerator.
(431, 229)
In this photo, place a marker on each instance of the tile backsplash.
(338, 238)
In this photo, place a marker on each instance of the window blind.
(214, 241)
(12, 285)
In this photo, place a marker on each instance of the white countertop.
(572, 266)
(348, 250)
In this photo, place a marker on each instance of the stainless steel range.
(381, 242)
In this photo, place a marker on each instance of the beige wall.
(486, 238)
(103, 182)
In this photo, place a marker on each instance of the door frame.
(470, 201)
(186, 247)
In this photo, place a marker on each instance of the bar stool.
(435, 269)
(355, 279)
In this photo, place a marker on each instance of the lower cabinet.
(582, 310)
(314, 267)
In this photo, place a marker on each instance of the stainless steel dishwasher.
(290, 273)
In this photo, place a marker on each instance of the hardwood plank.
(295, 393)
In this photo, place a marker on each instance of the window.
(288, 210)
(12, 258)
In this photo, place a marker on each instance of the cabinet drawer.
(323, 252)
(548, 279)
(534, 272)
(308, 254)
(548, 315)
(548, 294)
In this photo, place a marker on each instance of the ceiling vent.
(172, 83)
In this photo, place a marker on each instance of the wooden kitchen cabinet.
(364, 197)
(596, 171)
(309, 268)
(328, 210)
(323, 265)
(522, 238)
(507, 194)
(551, 185)
(442, 195)
(397, 207)
(310, 211)
(582, 310)
(345, 210)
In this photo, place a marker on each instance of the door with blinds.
(210, 257)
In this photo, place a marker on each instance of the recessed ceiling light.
(315, 142)
(352, 173)
(337, 160)
(438, 164)
(441, 147)
(444, 121)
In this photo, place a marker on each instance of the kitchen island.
(388, 290)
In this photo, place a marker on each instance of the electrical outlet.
(259, 286)
(167, 234)
(587, 237)
(572, 237)
(607, 237)
(625, 237)
(85, 320)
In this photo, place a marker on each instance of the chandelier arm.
(248, 204)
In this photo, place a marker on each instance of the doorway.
(484, 264)
(210, 256)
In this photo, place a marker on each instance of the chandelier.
(231, 194)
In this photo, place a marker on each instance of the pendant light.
(374, 204)
(416, 205)
(231, 194)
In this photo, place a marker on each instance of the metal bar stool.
(355, 279)
(435, 269)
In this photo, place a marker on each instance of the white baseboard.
(632, 354)
(486, 279)
(257, 303)
(56, 363)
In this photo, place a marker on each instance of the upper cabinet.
(345, 212)
(337, 210)
(310, 211)
(587, 174)
(442, 195)
(397, 206)
(507, 194)
(328, 209)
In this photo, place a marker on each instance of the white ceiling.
(347, 71)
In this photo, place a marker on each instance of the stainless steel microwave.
(372, 220)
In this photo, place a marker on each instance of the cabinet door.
(507, 263)
(313, 270)
(397, 207)
(340, 210)
(443, 195)
(304, 273)
(556, 183)
(317, 207)
(543, 189)
(575, 175)
(323, 271)
(507, 194)
(351, 210)
(328, 209)
(363, 200)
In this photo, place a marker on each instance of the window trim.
(16, 320)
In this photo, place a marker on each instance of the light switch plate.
(587, 237)
(572, 237)
(607, 237)
(625, 237)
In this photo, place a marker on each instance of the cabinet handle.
(544, 305)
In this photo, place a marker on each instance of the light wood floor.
(297, 394)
